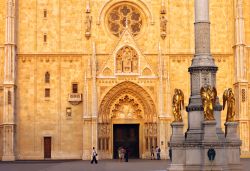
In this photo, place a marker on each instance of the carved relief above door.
(127, 60)
(126, 107)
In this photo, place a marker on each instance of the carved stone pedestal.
(176, 147)
(209, 128)
(233, 143)
(231, 131)
(177, 132)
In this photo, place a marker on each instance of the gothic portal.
(78, 74)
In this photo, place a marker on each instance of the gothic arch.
(129, 88)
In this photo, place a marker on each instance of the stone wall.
(39, 116)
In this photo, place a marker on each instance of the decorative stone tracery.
(127, 107)
(127, 100)
(122, 16)
(127, 60)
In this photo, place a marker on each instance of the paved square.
(103, 165)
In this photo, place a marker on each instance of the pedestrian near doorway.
(120, 153)
(126, 154)
(152, 153)
(158, 152)
(94, 155)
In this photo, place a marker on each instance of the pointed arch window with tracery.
(127, 60)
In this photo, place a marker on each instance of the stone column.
(241, 82)
(9, 83)
(202, 71)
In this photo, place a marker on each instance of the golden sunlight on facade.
(101, 73)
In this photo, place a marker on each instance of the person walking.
(94, 154)
(152, 153)
(126, 154)
(120, 153)
(157, 151)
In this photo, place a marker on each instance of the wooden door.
(47, 147)
(126, 136)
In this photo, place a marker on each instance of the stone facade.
(52, 37)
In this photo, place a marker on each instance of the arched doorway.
(126, 107)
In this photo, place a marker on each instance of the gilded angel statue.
(208, 97)
(228, 97)
(177, 104)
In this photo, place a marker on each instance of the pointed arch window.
(47, 77)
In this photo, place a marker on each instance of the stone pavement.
(103, 165)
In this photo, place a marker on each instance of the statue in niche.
(119, 65)
(208, 97)
(126, 60)
(88, 23)
(228, 97)
(163, 25)
(135, 64)
(177, 104)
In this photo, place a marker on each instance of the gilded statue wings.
(214, 94)
(181, 98)
(225, 98)
(203, 92)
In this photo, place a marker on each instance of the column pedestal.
(231, 131)
(176, 149)
(233, 143)
(209, 128)
(177, 132)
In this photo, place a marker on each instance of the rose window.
(124, 16)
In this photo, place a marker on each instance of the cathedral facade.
(101, 73)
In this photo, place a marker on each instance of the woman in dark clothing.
(126, 155)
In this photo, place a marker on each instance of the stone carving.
(145, 101)
(9, 97)
(177, 104)
(150, 129)
(103, 130)
(208, 97)
(228, 97)
(127, 60)
(124, 16)
(163, 25)
(126, 108)
(88, 23)
(243, 92)
(205, 78)
(195, 83)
